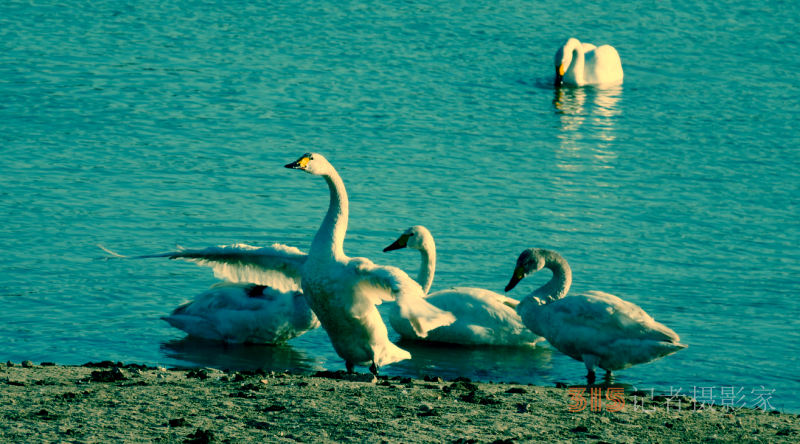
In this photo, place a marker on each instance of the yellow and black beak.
(402, 242)
(519, 273)
(560, 74)
(299, 164)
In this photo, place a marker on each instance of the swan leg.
(349, 366)
(590, 361)
(374, 369)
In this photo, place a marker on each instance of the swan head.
(564, 58)
(529, 262)
(311, 163)
(415, 237)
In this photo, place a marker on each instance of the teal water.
(142, 125)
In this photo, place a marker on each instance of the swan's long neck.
(428, 266)
(558, 286)
(578, 65)
(329, 240)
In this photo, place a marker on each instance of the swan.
(483, 317)
(585, 64)
(341, 291)
(245, 313)
(253, 303)
(597, 328)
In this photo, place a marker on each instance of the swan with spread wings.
(342, 291)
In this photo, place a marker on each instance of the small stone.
(9, 364)
(425, 407)
(48, 364)
(179, 422)
(27, 364)
(523, 408)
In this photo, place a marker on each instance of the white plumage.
(585, 64)
(344, 291)
(483, 317)
(341, 291)
(259, 300)
(597, 328)
(245, 313)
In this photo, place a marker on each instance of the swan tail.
(424, 317)
(388, 353)
(193, 326)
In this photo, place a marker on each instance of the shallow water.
(142, 125)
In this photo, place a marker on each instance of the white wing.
(378, 283)
(277, 266)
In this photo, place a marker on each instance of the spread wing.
(377, 283)
(277, 266)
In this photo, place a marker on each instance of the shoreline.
(100, 402)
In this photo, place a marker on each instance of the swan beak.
(402, 242)
(561, 70)
(519, 273)
(300, 164)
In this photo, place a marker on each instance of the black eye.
(310, 157)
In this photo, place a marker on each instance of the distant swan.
(597, 328)
(483, 317)
(245, 313)
(585, 64)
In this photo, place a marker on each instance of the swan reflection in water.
(208, 353)
(588, 113)
(480, 363)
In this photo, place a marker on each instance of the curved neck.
(558, 286)
(428, 266)
(329, 240)
(576, 67)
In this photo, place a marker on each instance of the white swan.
(341, 291)
(483, 317)
(344, 291)
(585, 64)
(257, 302)
(245, 313)
(597, 328)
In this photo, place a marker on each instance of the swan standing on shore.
(597, 328)
(585, 64)
(341, 291)
(483, 317)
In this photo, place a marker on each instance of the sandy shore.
(71, 404)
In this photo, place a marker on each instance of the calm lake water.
(142, 125)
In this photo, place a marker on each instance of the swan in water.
(597, 328)
(253, 304)
(483, 317)
(245, 313)
(341, 291)
(585, 64)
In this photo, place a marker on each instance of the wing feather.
(379, 283)
(277, 266)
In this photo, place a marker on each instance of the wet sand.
(109, 402)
